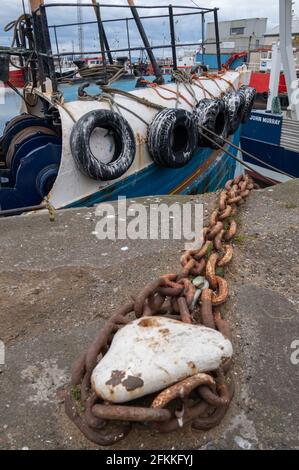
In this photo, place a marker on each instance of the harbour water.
(12, 102)
(70, 91)
(9, 108)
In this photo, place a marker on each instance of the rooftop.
(275, 31)
(240, 19)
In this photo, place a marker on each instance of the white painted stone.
(153, 353)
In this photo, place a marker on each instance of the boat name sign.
(266, 120)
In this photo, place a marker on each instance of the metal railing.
(43, 44)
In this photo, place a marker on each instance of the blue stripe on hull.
(157, 181)
(279, 157)
(261, 136)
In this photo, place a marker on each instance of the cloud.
(187, 30)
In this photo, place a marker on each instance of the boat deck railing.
(45, 34)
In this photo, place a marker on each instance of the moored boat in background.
(109, 141)
(272, 135)
(16, 77)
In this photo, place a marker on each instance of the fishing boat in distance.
(272, 135)
(16, 77)
(115, 137)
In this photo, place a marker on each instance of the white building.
(237, 35)
(272, 36)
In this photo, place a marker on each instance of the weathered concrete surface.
(59, 283)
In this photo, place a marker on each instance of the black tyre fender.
(235, 104)
(249, 96)
(125, 145)
(172, 138)
(212, 115)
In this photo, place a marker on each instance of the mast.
(35, 4)
(145, 40)
(102, 32)
(287, 55)
(274, 75)
(46, 66)
(80, 26)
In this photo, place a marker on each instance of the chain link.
(193, 296)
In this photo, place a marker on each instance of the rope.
(238, 159)
(199, 85)
(106, 95)
(217, 84)
(180, 77)
(143, 101)
(112, 70)
(135, 114)
(179, 96)
(117, 76)
(246, 153)
(51, 209)
(112, 102)
(15, 25)
(154, 86)
(18, 93)
(59, 101)
(187, 81)
(178, 91)
(229, 83)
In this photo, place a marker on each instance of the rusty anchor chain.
(193, 296)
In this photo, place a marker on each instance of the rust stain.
(148, 322)
(140, 141)
(132, 383)
(154, 344)
(116, 378)
(198, 172)
(191, 365)
(164, 331)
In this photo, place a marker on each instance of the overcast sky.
(187, 30)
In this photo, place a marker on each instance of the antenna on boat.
(149, 50)
(23, 5)
(102, 32)
(80, 26)
(46, 66)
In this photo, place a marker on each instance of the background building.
(237, 35)
(273, 35)
(246, 35)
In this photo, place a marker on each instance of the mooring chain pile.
(193, 296)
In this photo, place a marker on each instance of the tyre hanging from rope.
(103, 145)
(249, 94)
(235, 104)
(172, 138)
(212, 114)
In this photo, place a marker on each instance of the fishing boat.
(147, 138)
(272, 135)
(16, 77)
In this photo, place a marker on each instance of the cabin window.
(237, 31)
